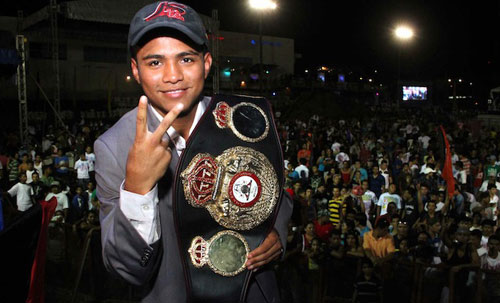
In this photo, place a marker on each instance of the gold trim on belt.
(239, 188)
(225, 253)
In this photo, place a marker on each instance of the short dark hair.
(476, 233)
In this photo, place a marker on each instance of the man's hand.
(269, 250)
(149, 156)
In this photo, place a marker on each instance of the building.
(94, 67)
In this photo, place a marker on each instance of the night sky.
(453, 38)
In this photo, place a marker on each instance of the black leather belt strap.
(248, 130)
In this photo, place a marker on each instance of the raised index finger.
(167, 121)
(141, 127)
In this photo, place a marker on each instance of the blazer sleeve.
(125, 253)
(284, 214)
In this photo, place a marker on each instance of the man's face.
(392, 188)
(424, 190)
(431, 206)
(170, 72)
(487, 230)
(403, 229)
(493, 246)
(336, 192)
(375, 170)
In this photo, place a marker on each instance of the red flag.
(36, 294)
(447, 173)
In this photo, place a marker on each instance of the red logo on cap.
(168, 9)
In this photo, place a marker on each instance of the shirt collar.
(179, 141)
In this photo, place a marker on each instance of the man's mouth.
(174, 92)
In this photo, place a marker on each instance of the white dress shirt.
(142, 210)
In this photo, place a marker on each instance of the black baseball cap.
(167, 14)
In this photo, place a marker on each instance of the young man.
(490, 264)
(23, 193)
(82, 168)
(136, 160)
(61, 197)
(367, 287)
(387, 198)
(378, 244)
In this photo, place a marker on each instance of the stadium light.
(403, 32)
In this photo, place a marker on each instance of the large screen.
(414, 93)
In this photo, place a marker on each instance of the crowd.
(370, 202)
(374, 219)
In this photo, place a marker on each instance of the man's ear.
(208, 63)
(135, 70)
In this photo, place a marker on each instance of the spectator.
(82, 168)
(387, 198)
(376, 181)
(23, 193)
(490, 264)
(62, 198)
(378, 244)
(367, 287)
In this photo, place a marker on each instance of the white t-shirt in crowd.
(387, 198)
(23, 193)
(490, 263)
(62, 200)
(82, 169)
(91, 159)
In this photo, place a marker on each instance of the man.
(61, 197)
(335, 207)
(302, 169)
(376, 181)
(384, 171)
(369, 199)
(387, 198)
(170, 60)
(378, 244)
(23, 193)
(39, 189)
(490, 265)
(90, 156)
(82, 168)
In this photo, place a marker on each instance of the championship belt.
(227, 190)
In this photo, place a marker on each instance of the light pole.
(403, 34)
(261, 6)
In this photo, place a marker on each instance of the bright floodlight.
(262, 4)
(403, 32)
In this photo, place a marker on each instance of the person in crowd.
(39, 188)
(376, 181)
(490, 265)
(22, 192)
(90, 156)
(47, 178)
(82, 168)
(386, 198)
(367, 287)
(78, 207)
(335, 208)
(61, 197)
(378, 244)
(61, 164)
(13, 168)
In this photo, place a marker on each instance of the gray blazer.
(158, 267)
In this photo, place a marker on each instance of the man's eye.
(187, 60)
(154, 63)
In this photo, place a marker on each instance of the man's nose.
(172, 72)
